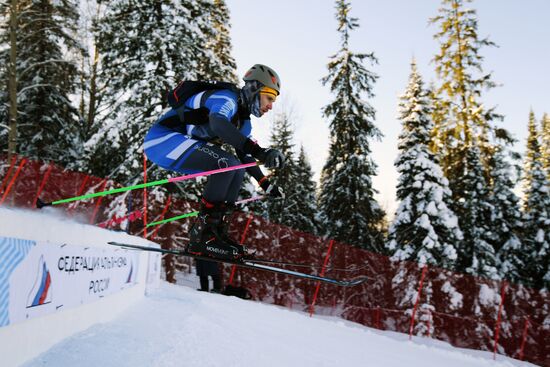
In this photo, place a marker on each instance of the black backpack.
(188, 88)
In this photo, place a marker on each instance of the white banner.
(38, 278)
(153, 272)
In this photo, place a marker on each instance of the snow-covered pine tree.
(49, 127)
(282, 211)
(537, 213)
(425, 230)
(476, 255)
(305, 190)
(466, 137)
(8, 77)
(91, 87)
(217, 31)
(349, 212)
(533, 149)
(5, 12)
(506, 220)
(460, 117)
(545, 143)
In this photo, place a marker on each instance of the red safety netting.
(463, 310)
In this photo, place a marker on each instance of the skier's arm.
(225, 130)
(270, 189)
(220, 125)
(254, 171)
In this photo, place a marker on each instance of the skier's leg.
(212, 222)
(217, 283)
(219, 187)
(204, 283)
(234, 187)
(178, 152)
(223, 192)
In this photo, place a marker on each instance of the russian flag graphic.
(41, 291)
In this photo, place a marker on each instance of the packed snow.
(176, 325)
(179, 326)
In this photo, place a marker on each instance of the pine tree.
(349, 212)
(537, 212)
(531, 154)
(9, 13)
(282, 211)
(476, 255)
(91, 87)
(545, 148)
(506, 220)
(306, 211)
(49, 127)
(217, 29)
(460, 117)
(425, 230)
(5, 12)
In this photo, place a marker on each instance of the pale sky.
(296, 38)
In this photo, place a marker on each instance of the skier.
(186, 148)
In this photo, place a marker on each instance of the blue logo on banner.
(12, 252)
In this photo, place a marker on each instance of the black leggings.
(216, 282)
(221, 186)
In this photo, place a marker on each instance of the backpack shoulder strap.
(207, 95)
(187, 89)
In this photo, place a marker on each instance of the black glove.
(271, 158)
(272, 190)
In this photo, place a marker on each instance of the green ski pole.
(194, 214)
(41, 204)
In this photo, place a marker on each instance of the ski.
(284, 263)
(250, 264)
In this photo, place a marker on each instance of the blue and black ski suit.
(187, 148)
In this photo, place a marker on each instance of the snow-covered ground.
(52, 224)
(179, 326)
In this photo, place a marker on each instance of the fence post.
(411, 328)
(499, 316)
(144, 196)
(72, 206)
(164, 210)
(243, 237)
(23, 161)
(429, 323)
(312, 306)
(7, 176)
(524, 338)
(41, 187)
(96, 209)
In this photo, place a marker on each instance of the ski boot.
(207, 237)
(246, 252)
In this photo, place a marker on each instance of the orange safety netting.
(457, 308)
